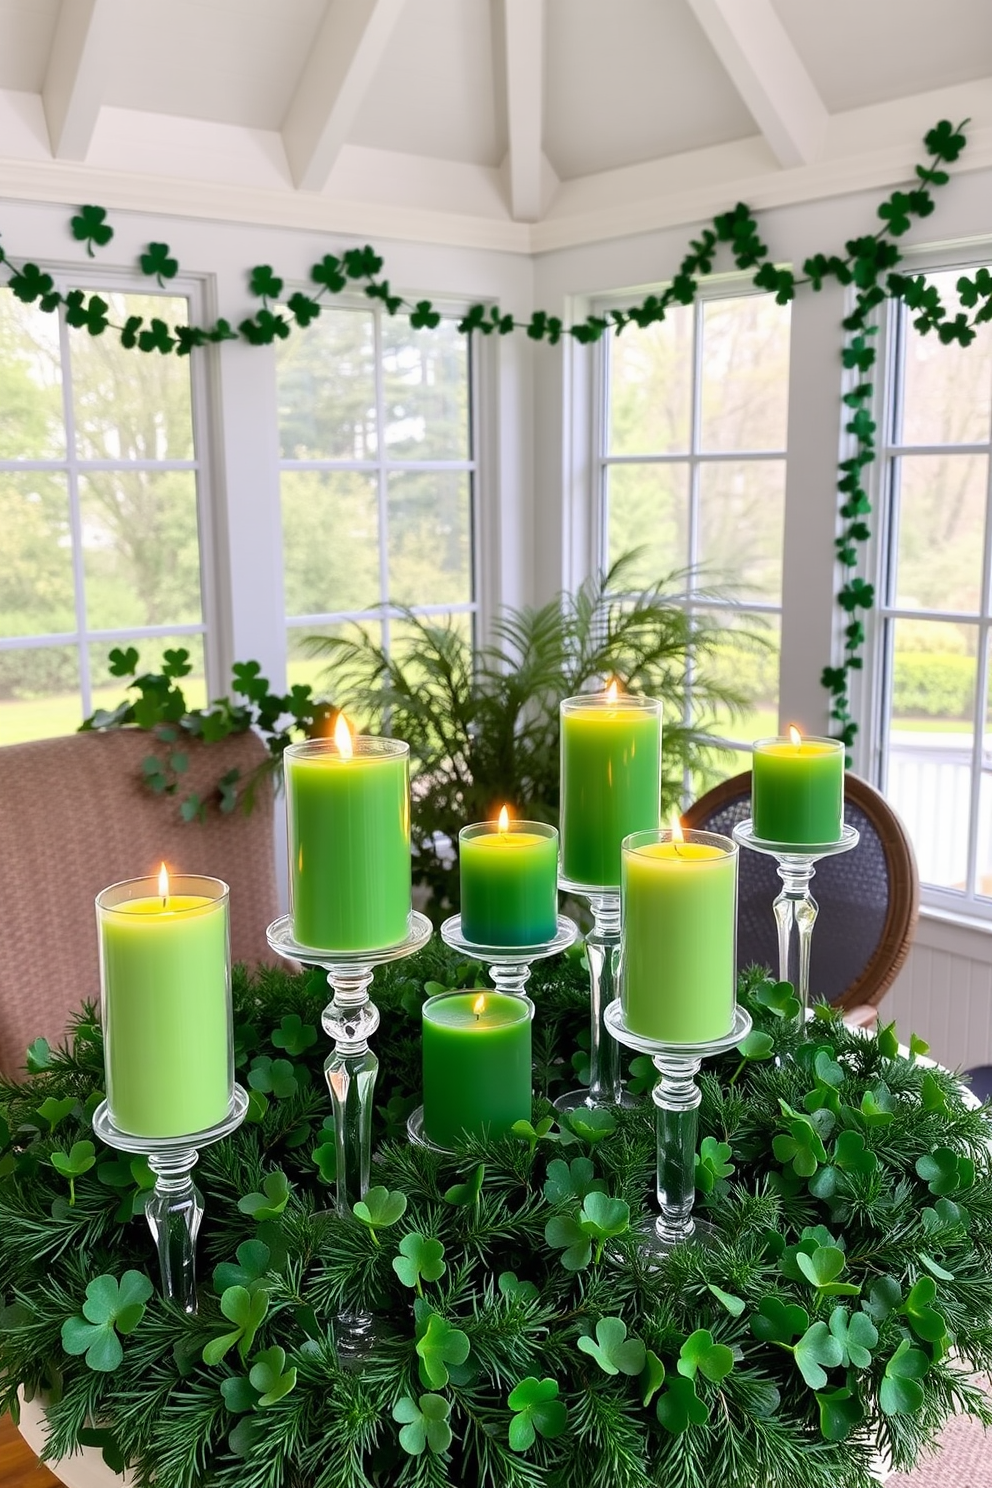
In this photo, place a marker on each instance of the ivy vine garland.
(868, 264)
(522, 1340)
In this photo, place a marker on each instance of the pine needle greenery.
(482, 724)
(523, 1343)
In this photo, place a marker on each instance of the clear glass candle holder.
(165, 989)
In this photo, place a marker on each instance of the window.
(692, 472)
(98, 510)
(378, 477)
(935, 731)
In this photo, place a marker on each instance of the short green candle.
(477, 1064)
(509, 882)
(610, 781)
(166, 1005)
(797, 790)
(679, 914)
(348, 817)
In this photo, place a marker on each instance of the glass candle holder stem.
(605, 1088)
(350, 1071)
(509, 966)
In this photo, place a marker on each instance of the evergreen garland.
(523, 1341)
(868, 264)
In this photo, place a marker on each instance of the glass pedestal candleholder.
(350, 1070)
(174, 1209)
(509, 966)
(676, 1097)
(605, 1088)
(795, 905)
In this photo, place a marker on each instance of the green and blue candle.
(509, 882)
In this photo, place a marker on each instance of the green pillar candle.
(166, 1004)
(679, 914)
(610, 781)
(797, 790)
(348, 816)
(509, 882)
(477, 1064)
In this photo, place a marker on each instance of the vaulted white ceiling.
(517, 124)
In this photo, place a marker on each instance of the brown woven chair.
(868, 898)
(75, 817)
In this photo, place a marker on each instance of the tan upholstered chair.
(75, 817)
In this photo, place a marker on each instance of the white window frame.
(872, 694)
(72, 467)
(382, 467)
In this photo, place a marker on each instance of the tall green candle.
(679, 916)
(348, 816)
(797, 790)
(610, 781)
(166, 1004)
(477, 1064)
(509, 882)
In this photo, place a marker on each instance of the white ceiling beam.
(76, 75)
(768, 73)
(523, 30)
(345, 55)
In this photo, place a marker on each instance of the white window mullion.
(75, 518)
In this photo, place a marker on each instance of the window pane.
(741, 527)
(108, 691)
(942, 500)
(745, 374)
(930, 742)
(745, 660)
(39, 693)
(425, 391)
(327, 389)
(303, 667)
(31, 424)
(330, 534)
(131, 405)
(430, 538)
(648, 508)
(36, 582)
(983, 884)
(140, 548)
(651, 387)
(947, 397)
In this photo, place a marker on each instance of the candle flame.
(612, 690)
(677, 833)
(479, 1005)
(163, 883)
(342, 738)
(504, 820)
(795, 737)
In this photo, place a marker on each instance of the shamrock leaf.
(591, 1126)
(712, 1164)
(827, 1069)
(563, 1232)
(756, 1045)
(877, 1107)
(840, 1412)
(379, 1209)
(419, 1258)
(273, 1076)
(239, 1393)
(945, 1215)
(111, 1307)
(303, 308)
(326, 1158)
(802, 1148)
(944, 1172)
(531, 1134)
(439, 1345)
(779, 998)
(652, 1377)
(254, 1259)
(851, 1155)
(821, 1270)
(884, 1298)
(778, 1322)
(72, 1164)
(901, 1393)
(538, 1412)
(516, 1290)
(467, 1193)
(270, 1377)
(926, 1322)
(680, 1407)
(294, 1035)
(932, 1098)
(817, 1351)
(328, 273)
(271, 1202)
(157, 262)
(571, 1180)
(90, 226)
(917, 1047)
(39, 1055)
(700, 1353)
(53, 1111)
(643, 1075)
(734, 1305)
(264, 283)
(31, 284)
(246, 1310)
(612, 1350)
(856, 1335)
(424, 1424)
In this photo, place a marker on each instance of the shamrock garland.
(868, 265)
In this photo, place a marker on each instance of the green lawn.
(22, 719)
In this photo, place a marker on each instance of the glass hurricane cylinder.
(797, 790)
(509, 883)
(165, 982)
(348, 819)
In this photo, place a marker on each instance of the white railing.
(929, 784)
